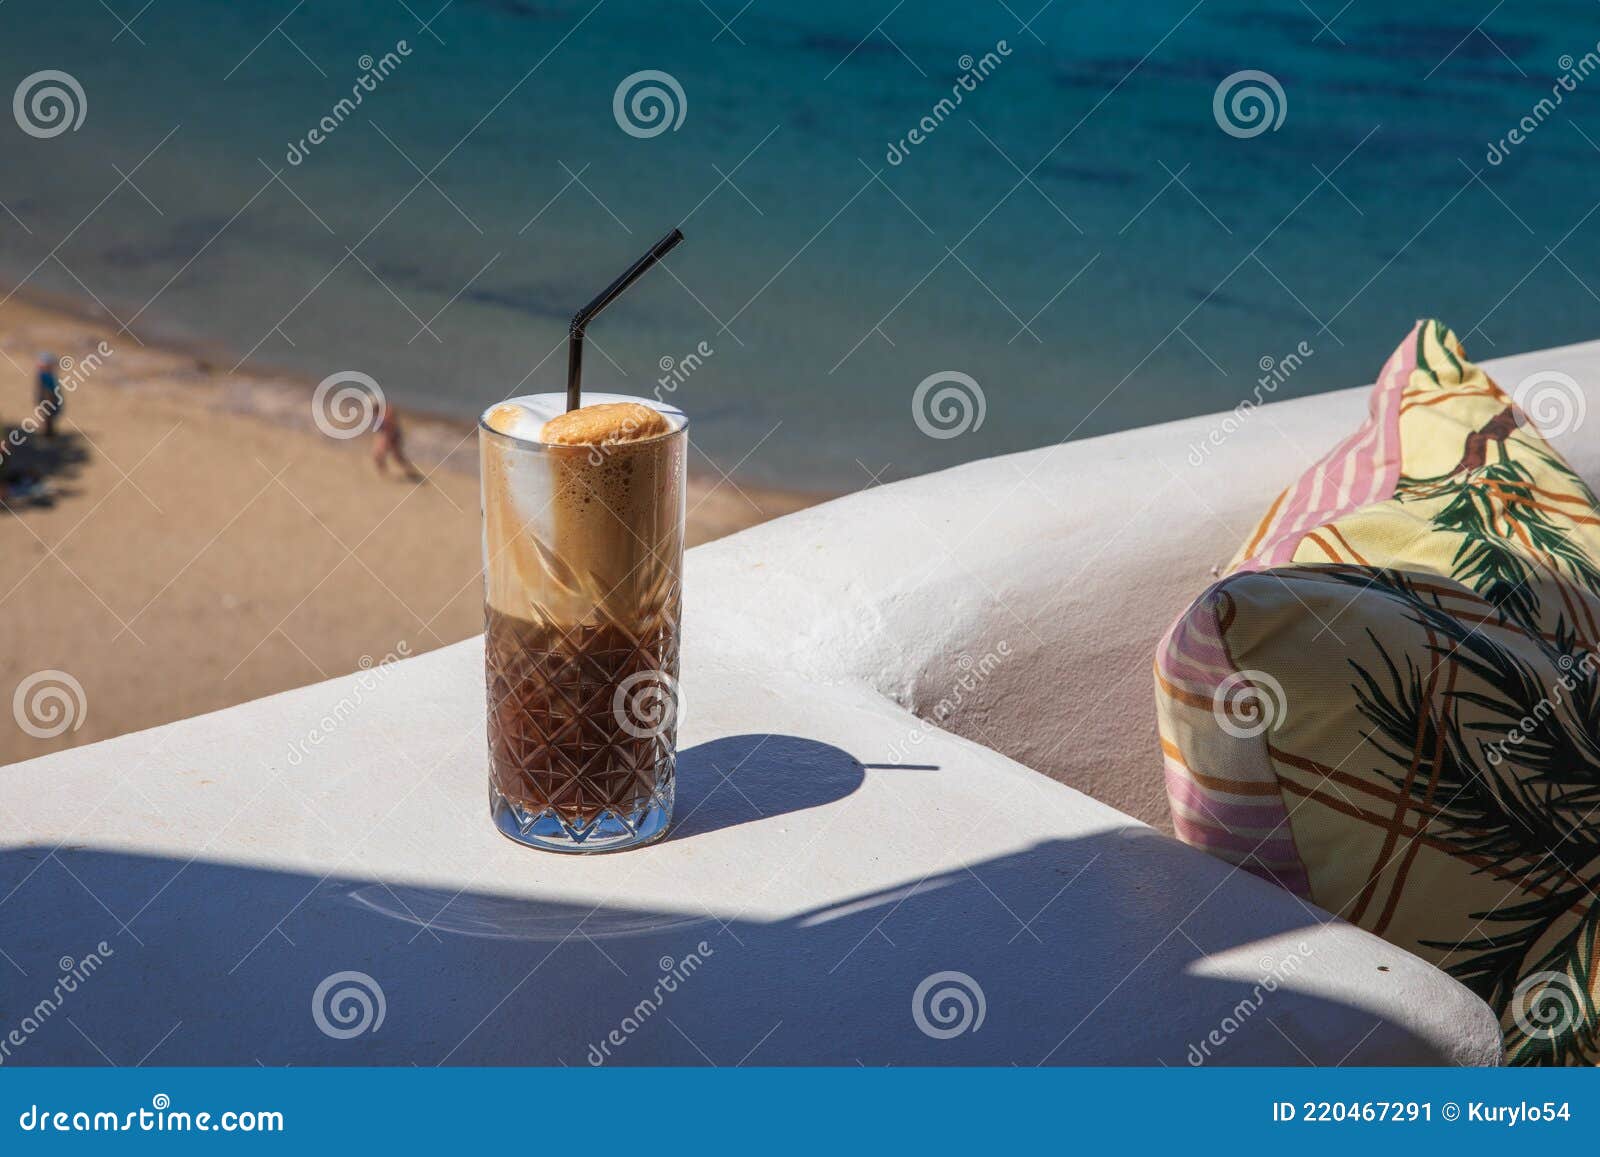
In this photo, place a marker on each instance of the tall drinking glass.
(583, 565)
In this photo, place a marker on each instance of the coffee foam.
(605, 424)
(576, 531)
(527, 416)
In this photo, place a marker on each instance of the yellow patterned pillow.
(1391, 705)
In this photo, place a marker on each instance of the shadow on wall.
(213, 963)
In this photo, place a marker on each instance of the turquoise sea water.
(1079, 235)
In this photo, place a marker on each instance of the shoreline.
(192, 372)
(189, 540)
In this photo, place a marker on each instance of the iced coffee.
(583, 525)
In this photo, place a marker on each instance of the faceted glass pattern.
(582, 730)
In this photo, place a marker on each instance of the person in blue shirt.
(51, 399)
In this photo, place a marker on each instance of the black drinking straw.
(610, 293)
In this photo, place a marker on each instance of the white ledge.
(231, 874)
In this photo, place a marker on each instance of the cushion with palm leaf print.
(1391, 704)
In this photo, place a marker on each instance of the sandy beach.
(190, 540)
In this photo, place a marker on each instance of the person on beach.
(388, 443)
(50, 398)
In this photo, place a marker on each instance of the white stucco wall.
(1078, 557)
